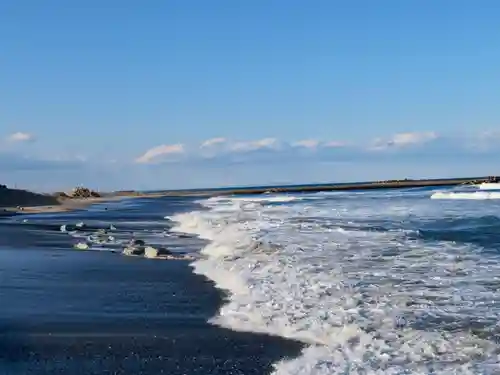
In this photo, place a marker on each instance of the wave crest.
(359, 298)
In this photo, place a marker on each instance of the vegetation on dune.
(17, 197)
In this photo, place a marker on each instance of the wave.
(364, 301)
(476, 195)
(266, 198)
(483, 231)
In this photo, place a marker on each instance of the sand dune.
(16, 200)
(15, 197)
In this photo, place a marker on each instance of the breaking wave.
(479, 195)
(386, 301)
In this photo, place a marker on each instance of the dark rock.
(136, 242)
(83, 192)
(164, 251)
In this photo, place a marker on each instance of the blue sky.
(293, 91)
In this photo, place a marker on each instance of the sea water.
(373, 282)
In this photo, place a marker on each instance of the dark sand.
(70, 312)
(115, 315)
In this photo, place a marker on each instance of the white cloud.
(306, 143)
(315, 144)
(20, 137)
(401, 140)
(224, 161)
(154, 153)
(213, 142)
(335, 144)
(405, 144)
(265, 143)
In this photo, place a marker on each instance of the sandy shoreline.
(21, 201)
(71, 204)
(63, 206)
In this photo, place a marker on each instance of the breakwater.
(387, 184)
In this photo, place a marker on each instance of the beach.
(23, 201)
(385, 280)
(95, 312)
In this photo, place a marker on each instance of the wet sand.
(103, 314)
(70, 204)
(92, 313)
(64, 205)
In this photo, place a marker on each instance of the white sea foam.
(366, 302)
(476, 195)
(489, 186)
(266, 198)
(115, 239)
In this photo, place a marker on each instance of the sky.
(122, 94)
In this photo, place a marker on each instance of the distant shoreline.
(387, 184)
(48, 203)
(22, 201)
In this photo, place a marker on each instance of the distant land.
(312, 188)
(24, 201)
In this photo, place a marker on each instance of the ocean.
(366, 282)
